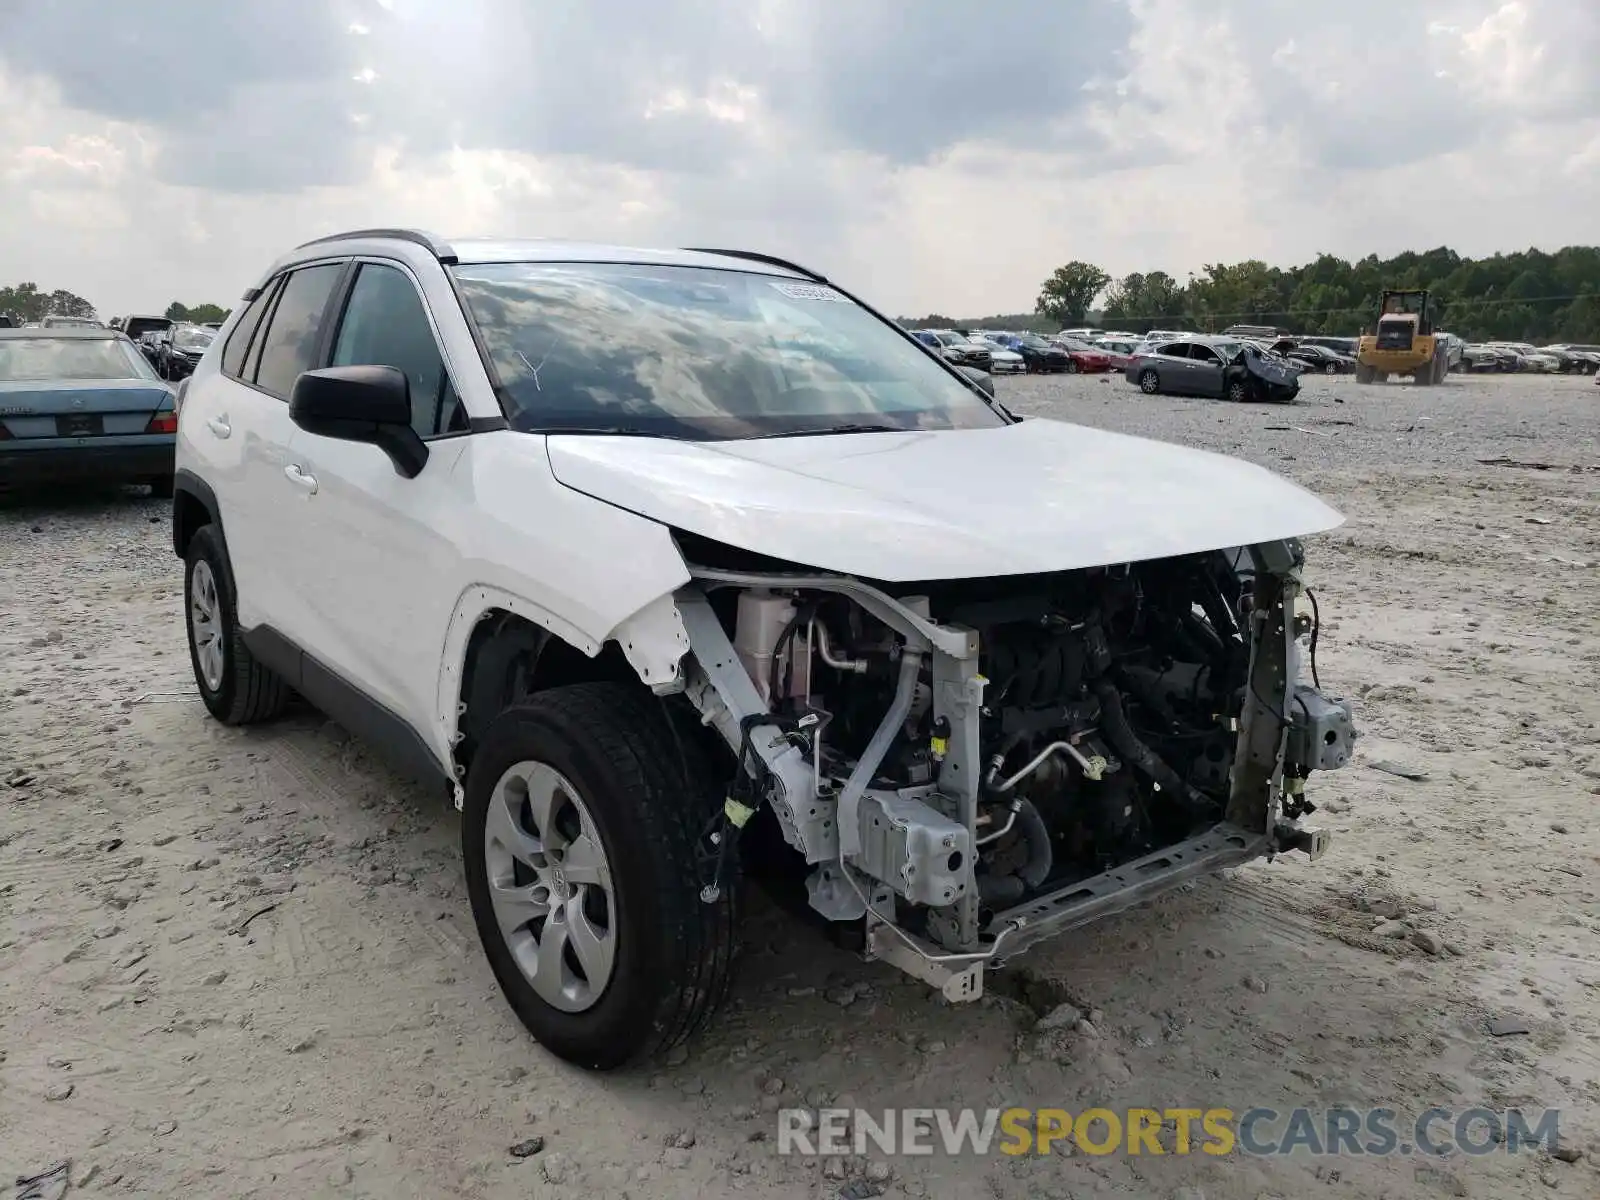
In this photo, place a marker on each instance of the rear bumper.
(150, 458)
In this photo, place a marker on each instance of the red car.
(1119, 350)
(1086, 358)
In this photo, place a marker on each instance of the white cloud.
(933, 156)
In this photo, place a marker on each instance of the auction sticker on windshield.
(810, 291)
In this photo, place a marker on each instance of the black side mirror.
(980, 377)
(361, 404)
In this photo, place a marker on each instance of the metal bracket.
(959, 985)
(721, 689)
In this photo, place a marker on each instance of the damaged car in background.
(690, 563)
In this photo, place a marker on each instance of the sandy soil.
(241, 963)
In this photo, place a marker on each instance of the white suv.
(652, 560)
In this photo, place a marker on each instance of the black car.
(1320, 358)
(180, 348)
(1040, 356)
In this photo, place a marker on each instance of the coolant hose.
(1114, 724)
(1040, 857)
(999, 891)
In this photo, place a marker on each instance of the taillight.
(163, 422)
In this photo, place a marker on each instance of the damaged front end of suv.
(975, 765)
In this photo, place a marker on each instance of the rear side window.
(239, 340)
(289, 345)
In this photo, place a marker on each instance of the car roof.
(482, 250)
(93, 333)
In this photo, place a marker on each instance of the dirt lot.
(241, 963)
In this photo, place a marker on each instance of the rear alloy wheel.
(580, 831)
(1072, 367)
(236, 689)
(1149, 382)
(1330, 369)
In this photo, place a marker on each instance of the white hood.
(899, 507)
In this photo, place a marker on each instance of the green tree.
(1144, 302)
(1067, 295)
(200, 314)
(27, 303)
(1530, 295)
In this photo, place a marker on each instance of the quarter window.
(385, 324)
(289, 345)
(239, 340)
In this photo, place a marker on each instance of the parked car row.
(1003, 351)
(1565, 358)
(175, 350)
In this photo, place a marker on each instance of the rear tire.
(1071, 368)
(236, 689)
(1365, 374)
(1149, 382)
(646, 793)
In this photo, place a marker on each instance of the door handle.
(300, 479)
(219, 426)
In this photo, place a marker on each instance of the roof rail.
(771, 260)
(436, 246)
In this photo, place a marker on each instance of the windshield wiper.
(602, 431)
(821, 430)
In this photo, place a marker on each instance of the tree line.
(1526, 296)
(28, 302)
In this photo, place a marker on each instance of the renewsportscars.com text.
(1170, 1131)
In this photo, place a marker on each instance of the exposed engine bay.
(973, 765)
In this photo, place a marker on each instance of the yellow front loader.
(1405, 342)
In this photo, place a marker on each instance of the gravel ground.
(241, 963)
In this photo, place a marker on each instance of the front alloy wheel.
(550, 885)
(581, 831)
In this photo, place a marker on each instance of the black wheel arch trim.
(186, 483)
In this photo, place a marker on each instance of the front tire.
(1238, 391)
(236, 689)
(579, 832)
(1071, 368)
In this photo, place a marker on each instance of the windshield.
(192, 339)
(699, 353)
(70, 358)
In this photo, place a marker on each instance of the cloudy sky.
(934, 155)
